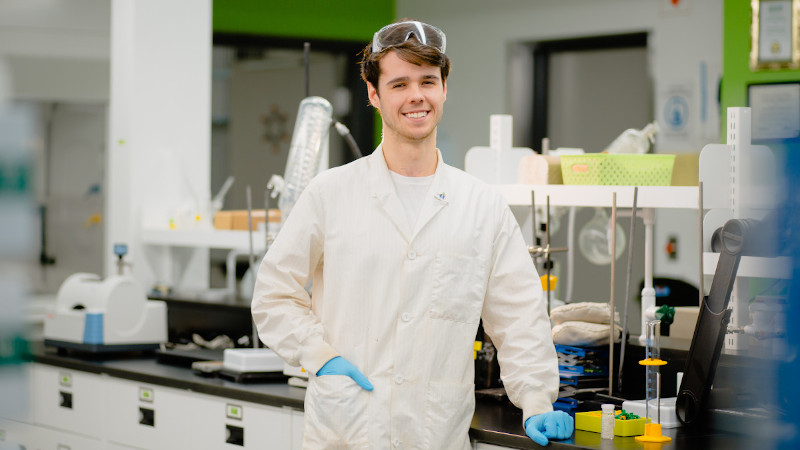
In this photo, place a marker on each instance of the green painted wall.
(736, 61)
(348, 20)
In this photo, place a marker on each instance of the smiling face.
(410, 99)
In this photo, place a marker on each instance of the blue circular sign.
(676, 113)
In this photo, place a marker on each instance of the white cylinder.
(607, 421)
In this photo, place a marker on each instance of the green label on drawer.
(65, 379)
(145, 394)
(233, 411)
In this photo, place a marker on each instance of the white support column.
(739, 141)
(159, 134)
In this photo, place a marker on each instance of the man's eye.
(399, 85)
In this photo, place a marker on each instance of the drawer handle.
(234, 435)
(147, 417)
(65, 399)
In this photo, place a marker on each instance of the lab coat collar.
(384, 191)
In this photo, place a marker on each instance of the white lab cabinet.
(148, 416)
(297, 429)
(173, 418)
(71, 409)
(15, 434)
(67, 400)
(18, 435)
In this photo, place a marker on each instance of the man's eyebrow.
(397, 80)
(406, 79)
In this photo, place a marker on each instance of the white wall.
(57, 50)
(685, 50)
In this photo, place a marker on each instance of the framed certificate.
(775, 110)
(775, 34)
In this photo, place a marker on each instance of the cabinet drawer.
(149, 416)
(67, 400)
(252, 426)
(21, 435)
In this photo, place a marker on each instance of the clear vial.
(607, 421)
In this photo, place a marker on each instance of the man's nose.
(415, 95)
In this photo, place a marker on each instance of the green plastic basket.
(618, 170)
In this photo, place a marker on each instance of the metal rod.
(627, 298)
(266, 220)
(306, 60)
(613, 226)
(548, 262)
(252, 254)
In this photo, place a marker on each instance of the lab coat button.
(406, 317)
(412, 254)
(398, 379)
(396, 442)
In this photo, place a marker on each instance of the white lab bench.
(75, 409)
(136, 402)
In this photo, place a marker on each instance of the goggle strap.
(420, 34)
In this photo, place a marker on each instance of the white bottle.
(607, 421)
(634, 141)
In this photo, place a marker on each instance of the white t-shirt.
(411, 191)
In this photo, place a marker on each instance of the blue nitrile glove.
(341, 366)
(549, 425)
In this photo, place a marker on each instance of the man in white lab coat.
(407, 254)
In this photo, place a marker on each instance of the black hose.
(351, 142)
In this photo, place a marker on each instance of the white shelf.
(600, 196)
(225, 239)
(753, 266)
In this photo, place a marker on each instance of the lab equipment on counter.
(246, 365)
(251, 360)
(307, 152)
(666, 410)
(594, 239)
(625, 424)
(499, 163)
(634, 141)
(627, 297)
(103, 315)
(607, 421)
(739, 237)
(652, 362)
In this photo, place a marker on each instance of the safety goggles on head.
(396, 33)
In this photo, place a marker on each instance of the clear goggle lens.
(396, 33)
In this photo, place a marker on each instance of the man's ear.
(372, 93)
(444, 88)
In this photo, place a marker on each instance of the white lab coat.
(403, 308)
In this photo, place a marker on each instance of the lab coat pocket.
(458, 287)
(335, 414)
(449, 411)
